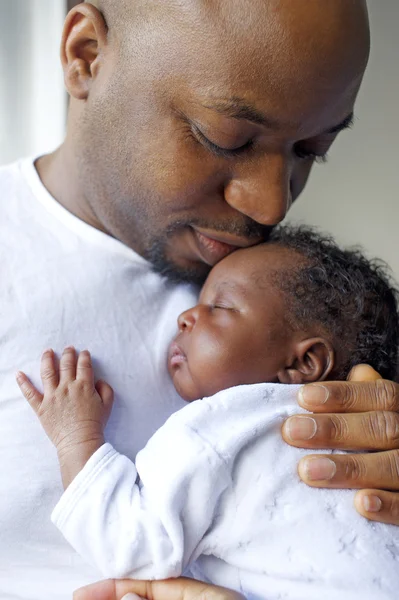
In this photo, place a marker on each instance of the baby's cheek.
(184, 384)
(214, 371)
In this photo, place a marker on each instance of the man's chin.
(176, 257)
(195, 273)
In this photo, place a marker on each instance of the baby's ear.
(313, 361)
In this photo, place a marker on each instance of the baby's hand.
(73, 410)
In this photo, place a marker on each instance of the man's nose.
(263, 191)
(186, 320)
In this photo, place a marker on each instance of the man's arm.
(361, 414)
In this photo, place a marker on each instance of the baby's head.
(295, 310)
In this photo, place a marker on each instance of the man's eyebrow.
(236, 108)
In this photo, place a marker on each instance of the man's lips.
(176, 355)
(214, 246)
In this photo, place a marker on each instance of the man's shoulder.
(12, 183)
(17, 202)
(10, 174)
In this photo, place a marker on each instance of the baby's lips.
(176, 355)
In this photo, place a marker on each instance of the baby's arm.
(141, 530)
(73, 410)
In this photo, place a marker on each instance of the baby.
(215, 490)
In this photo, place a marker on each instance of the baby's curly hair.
(353, 298)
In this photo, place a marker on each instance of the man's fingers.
(84, 367)
(68, 365)
(358, 471)
(378, 505)
(172, 589)
(177, 589)
(29, 391)
(352, 396)
(363, 373)
(48, 372)
(364, 431)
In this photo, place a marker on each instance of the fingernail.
(69, 348)
(19, 375)
(372, 503)
(49, 350)
(319, 469)
(132, 597)
(300, 428)
(313, 395)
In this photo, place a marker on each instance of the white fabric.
(218, 484)
(63, 282)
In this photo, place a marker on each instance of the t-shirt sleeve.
(145, 520)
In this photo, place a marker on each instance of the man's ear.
(83, 39)
(313, 361)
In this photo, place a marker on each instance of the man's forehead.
(220, 46)
(262, 13)
(230, 5)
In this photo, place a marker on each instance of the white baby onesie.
(216, 490)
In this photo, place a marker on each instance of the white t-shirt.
(64, 282)
(218, 491)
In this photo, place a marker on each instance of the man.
(193, 126)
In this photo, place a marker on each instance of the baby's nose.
(186, 320)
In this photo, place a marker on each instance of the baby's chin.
(184, 388)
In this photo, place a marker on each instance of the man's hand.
(361, 414)
(173, 589)
(73, 410)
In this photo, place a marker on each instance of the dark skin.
(236, 177)
(146, 85)
(238, 333)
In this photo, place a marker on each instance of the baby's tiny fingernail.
(372, 504)
(19, 376)
(68, 348)
(132, 597)
(48, 351)
(313, 395)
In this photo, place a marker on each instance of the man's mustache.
(247, 229)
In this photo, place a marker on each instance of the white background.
(32, 96)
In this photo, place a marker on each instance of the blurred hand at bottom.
(172, 589)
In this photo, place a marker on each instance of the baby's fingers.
(84, 368)
(106, 393)
(32, 395)
(49, 372)
(68, 365)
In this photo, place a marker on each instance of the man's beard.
(156, 253)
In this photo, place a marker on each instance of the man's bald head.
(335, 32)
(205, 116)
